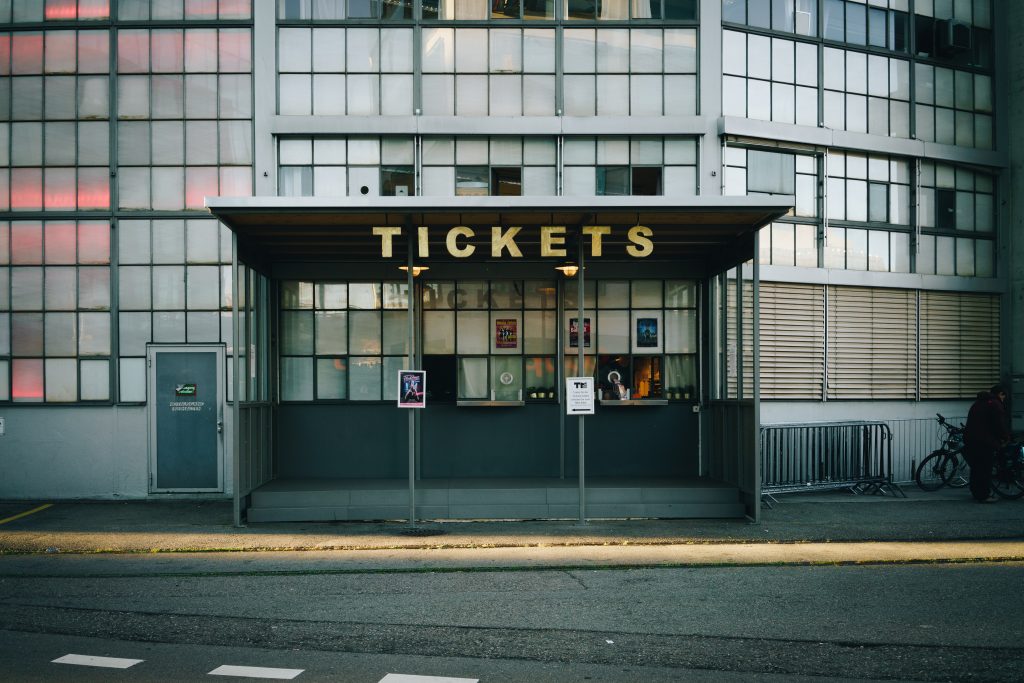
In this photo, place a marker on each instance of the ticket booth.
(484, 296)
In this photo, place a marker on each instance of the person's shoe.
(990, 499)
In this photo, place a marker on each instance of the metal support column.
(411, 362)
(581, 367)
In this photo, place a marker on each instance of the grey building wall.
(1013, 209)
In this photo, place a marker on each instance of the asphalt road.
(927, 622)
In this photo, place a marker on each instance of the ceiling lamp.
(416, 270)
(569, 268)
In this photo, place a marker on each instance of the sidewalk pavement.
(832, 527)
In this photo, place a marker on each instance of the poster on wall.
(647, 332)
(574, 333)
(506, 333)
(412, 389)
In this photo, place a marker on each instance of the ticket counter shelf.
(634, 402)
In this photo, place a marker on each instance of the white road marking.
(89, 660)
(408, 678)
(255, 672)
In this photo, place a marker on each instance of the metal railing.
(913, 440)
(827, 455)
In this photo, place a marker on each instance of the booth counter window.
(488, 341)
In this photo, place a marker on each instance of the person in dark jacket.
(986, 432)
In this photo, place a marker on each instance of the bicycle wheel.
(1008, 478)
(935, 471)
(961, 471)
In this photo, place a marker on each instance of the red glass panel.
(60, 189)
(94, 242)
(60, 242)
(5, 54)
(93, 188)
(27, 53)
(235, 9)
(200, 9)
(93, 9)
(201, 50)
(235, 50)
(133, 51)
(26, 189)
(59, 52)
(27, 380)
(93, 52)
(61, 10)
(26, 243)
(200, 182)
(5, 244)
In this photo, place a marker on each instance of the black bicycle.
(1008, 471)
(946, 465)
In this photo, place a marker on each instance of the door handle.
(220, 426)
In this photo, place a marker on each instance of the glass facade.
(118, 119)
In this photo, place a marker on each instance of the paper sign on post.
(579, 395)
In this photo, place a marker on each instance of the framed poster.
(574, 333)
(412, 389)
(647, 330)
(506, 333)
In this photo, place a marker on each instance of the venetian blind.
(792, 340)
(739, 355)
(872, 343)
(959, 343)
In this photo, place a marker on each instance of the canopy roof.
(274, 230)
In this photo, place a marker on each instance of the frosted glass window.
(133, 288)
(294, 49)
(579, 95)
(613, 50)
(60, 289)
(506, 47)
(438, 332)
(734, 53)
(539, 181)
(506, 97)
(985, 258)
(203, 287)
(93, 334)
(94, 288)
(612, 95)
(61, 334)
(365, 332)
(473, 378)
(646, 293)
(964, 256)
(472, 332)
(438, 95)
(61, 379)
(614, 332)
(540, 332)
(296, 379)
(296, 332)
(538, 50)
(364, 379)
(169, 327)
(856, 249)
(438, 50)
(396, 333)
(132, 377)
(295, 94)
(202, 326)
(681, 331)
(396, 50)
(579, 54)
(95, 376)
(332, 378)
(168, 287)
(134, 332)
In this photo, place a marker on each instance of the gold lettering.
(424, 244)
(504, 240)
(552, 236)
(595, 232)
(638, 235)
(453, 248)
(386, 234)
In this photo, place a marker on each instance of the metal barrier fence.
(913, 440)
(827, 455)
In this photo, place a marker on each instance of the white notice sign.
(579, 395)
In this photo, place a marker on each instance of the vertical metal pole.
(410, 241)
(235, 385)
(580, 341)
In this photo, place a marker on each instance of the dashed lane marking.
(89, 660)
(408, 678)
(26, 513)
(255, 672)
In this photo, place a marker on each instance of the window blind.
(872, 343)
(792, 340)
(959, 343)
